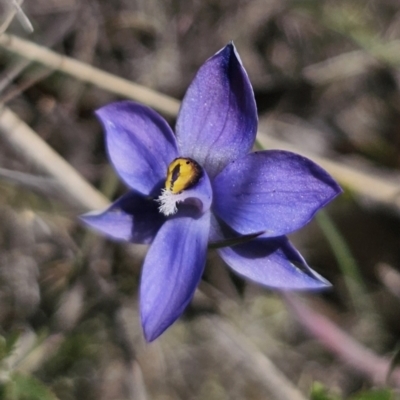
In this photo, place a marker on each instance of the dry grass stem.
(89, 74)
(38, 355)
(15, 10)
(340, 67)
(239, 349)
(363, 360)
(24, 140)
(349, 64)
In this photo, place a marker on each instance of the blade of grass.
(347, 264)
(339, 247)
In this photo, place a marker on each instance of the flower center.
(183, 173)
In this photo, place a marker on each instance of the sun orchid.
(203, 186)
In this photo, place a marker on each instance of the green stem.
(347, 264)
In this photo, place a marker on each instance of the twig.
(22, 138)
(351, 63)
(43, 185)
(16, 10)
(9, 75)
(339, 67)
(23, 19)
(35, 357)
(89, 74)
(9, 15)
(363, 360)
(27, 83)
(239, 349)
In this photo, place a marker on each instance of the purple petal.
(171, 271)
(132, 217)
(140, 144)
(217, 122)
(273, 262)
(272, 191)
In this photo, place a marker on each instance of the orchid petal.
(140, 144)
(273, 262)
(217, 122)
(132, 217)
(171, 271)
(272, 191)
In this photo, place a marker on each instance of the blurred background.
(326, 78)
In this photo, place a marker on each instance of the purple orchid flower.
(203, 186)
